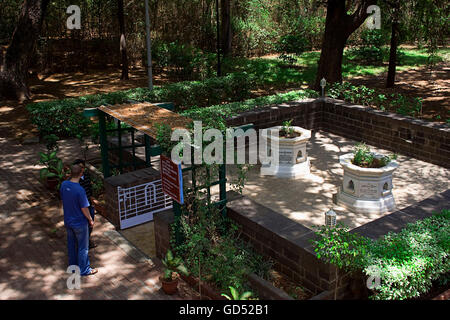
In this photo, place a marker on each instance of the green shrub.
(407, 263)
(365, 158)
(215, 116)
(183, 60)
(292, 43)
(213, 251)
(286, 58)
(370, 51)
(394, 102)
(64, 117)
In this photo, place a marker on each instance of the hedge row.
(215, 116)
(64, 117)
(407, 263)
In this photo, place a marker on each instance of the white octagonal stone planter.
(366, 190)
(293, 157)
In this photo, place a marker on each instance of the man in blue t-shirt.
(77, 220)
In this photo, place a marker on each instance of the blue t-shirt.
(74, 198)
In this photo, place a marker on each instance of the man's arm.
(88, 216)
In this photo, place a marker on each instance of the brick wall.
(287, 244)
(125, 180)
(304, 113)
(416, 138)
(162, 222)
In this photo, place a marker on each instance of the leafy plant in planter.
(287, 131)
(364, 158)
(407, 262)
(54, 172)
(173, 267)
(235, 295)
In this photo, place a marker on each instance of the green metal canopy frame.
(151, 151)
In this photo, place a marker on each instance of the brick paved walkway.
(33, 257)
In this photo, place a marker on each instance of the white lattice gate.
(138, 204)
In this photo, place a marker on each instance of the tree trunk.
(14, 71)
(338, 27)
(330, 63)
(394, 44)
(392, 57)
(123, 44)
(226, 28)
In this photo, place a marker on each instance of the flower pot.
(52, 183)
(169, 287)
(366, 190)
(289, 157)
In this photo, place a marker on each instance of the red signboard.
(172, 179)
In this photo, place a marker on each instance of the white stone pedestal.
(293, 159)
(366, 190)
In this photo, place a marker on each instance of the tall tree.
(339, 25)
(17, 60)
(123, 43)
(394, 8)
(226, 28)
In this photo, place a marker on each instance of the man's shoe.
(93, 271)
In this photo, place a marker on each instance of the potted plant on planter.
(235, 295)
(367, 184)
(54, 171)
(173, 266)
(288, 143)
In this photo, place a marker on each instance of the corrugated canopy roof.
(144, 117)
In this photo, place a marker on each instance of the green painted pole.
(177, 215)
(103, 144)
(223, 187)
(148, 151)
(119, 131)
(134, 149)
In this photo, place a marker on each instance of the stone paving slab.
(33, 252)
(305, 200)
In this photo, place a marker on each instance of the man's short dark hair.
(79, 161)
(75, 170)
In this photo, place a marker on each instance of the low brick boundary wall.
(284, 241)
(287, 242)
(405, 135)
(125, 180)
(162, 227)
(265, 290)
(306, 113)
(427, 141)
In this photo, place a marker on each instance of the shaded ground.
(434, 88)
(33, 253)
(306, 199)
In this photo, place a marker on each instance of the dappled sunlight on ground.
(306, 199)
(33, 253)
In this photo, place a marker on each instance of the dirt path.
(434, 88)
